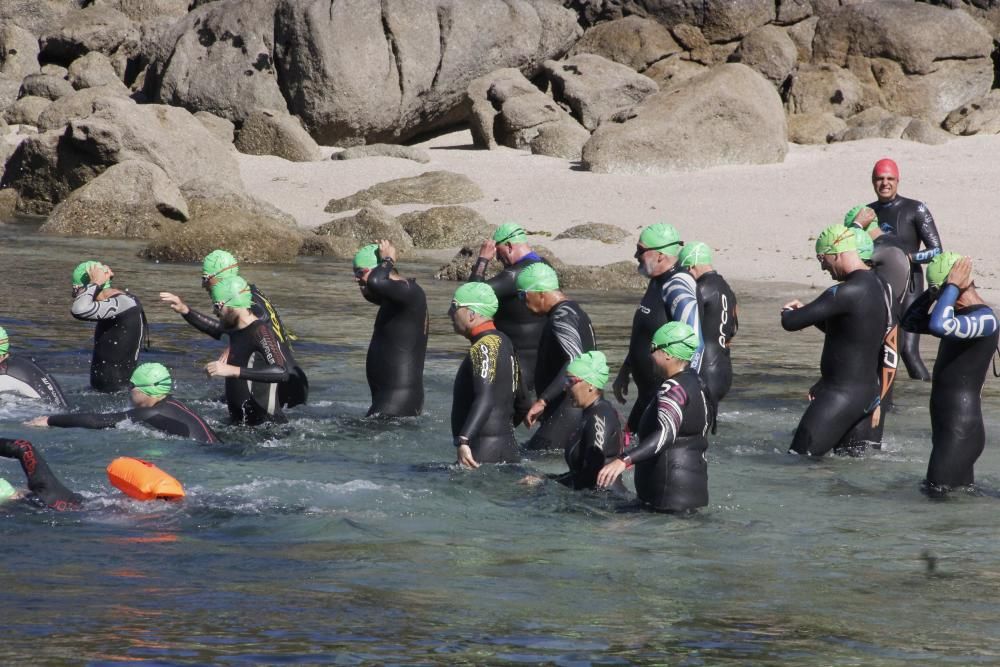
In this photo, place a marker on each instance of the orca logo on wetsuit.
(643, 309)
(724, 322)
(484, 370)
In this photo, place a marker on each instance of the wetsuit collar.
(482, 328)
(530, 256)
(669, 273)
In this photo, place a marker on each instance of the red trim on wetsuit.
(482, 328)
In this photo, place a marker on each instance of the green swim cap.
(661, 236)
(233, 292)
(219, 263)
(4, 341)
(695, 254)
(940, 267)
(6, 490)
(80, 274)
(864, 242)
(591, 367)
(152, 379)
(539, 277)
(676, 339)
(477, 297)
(367, 257)
(836, 239)
(510, 232)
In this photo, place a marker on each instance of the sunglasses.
(640, 251)
(570, 381)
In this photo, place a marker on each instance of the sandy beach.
(760, 220)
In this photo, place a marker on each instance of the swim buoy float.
(142, 480)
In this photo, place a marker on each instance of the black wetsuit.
(485, 397)
(120, 331)
(601, 439)
(513, 318)
(43, 484)
(168, 415)
(568, 333)
(671, 472)
(296, 390)
(912, 224)
(669, 297)
(395, 361)
(853, 315)
(24, 377)
(968, 341)
(253, 397)
(717, 312)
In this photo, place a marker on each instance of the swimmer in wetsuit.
(717, 312)
(395, 361)
(671, 296)
(154, 407)
(488, 389)
(220, 265)
(568, 333)
(24, 377)
(854, 315)
(45, 488)
(121, 325)
(968, 330)
(671, 471)
(913, 225)
(510, 245)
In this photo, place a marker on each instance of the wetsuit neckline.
(531, 255)
(671, 272)
(481, 329)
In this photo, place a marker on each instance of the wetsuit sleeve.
(670, 402)
(946, 324)
(681, 302)
(276, 369)
(566, 327)
(484, 354)
(87, 307)
(816, 312)
(89, 420)
(503, 283)
(927, 231)
(205, 324)
(917, 318)
(381, 284)
(41, 482)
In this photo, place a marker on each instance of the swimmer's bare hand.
(488, 250)
(792, 305)
(961, 273)
(536, 410)
(220, 370)
(175, 302)
(42, 421)
(864, 217)
(531, 480)
(100, 274)
(876, 416)
(386, 250)
(465, 457)
(610, 472)
(620, 385)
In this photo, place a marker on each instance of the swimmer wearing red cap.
(913, 225)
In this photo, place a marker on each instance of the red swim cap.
(885, 166)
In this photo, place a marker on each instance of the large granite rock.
(981, 116)
(18, 52)
(45, 85)
(432, 187)
(595, 88)
(719, 20)
(384, 150)
(93, 70)
(813, 127)
(270, 132)
(632, 41)
(728, 115)
(223, 129)
(36, 16)
(132, 199)
(483, 109)
(78, 104)
(372, 222)
(445, 227)
(144, 10)
(669, 72)
(595, 231)
(564, 139)
(27, 110)
(769, 50)
(877, 122)
(92, 28)
(825, 89)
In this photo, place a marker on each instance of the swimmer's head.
(81, 277)
(366, 258)
(657, 249)
(477, 297)
(7, 492)
(510, 232)
(233, 292)
(591, 367)
(677, 339)
(539, 277)
(885, 179)
(940, 267)
(4, 342)
(864, 242)
(695, 254)
(836, 239)
(217, 266)
(152, 379)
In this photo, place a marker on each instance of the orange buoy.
(142, 480)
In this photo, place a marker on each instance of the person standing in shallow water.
(968, 330)
(913, 225)
(395, 362)
(24, 377)
(671, 471)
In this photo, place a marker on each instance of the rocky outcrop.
(94, 28)
(814, 128)
(596, 231)
(44, 85)
(595, 88)
(26, 110)
(432, 187)
(131, 199)
(445, 227)
(372, 222)
(825, 89)
(877, 122)
(18, 52)
(144, 10)
(77, 105)
(384, 150)
(481, 108)
(981, 116)
(93, 70)
(718, 20)
(36, 16)
(671, 71)
(633, 41)
(564, 139)
(770, 51)
(223, 129)
(728, 115)
(269, 132)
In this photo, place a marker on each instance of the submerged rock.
(432, 187)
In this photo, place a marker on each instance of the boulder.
(671, 71)
(564, 139)
(371, 71)
(26, 110)
(793, 11)
(770, 51)
(802, 34)
(269, 132)
(981, 116)
(94, 28)
(223, 129)
(18, 51)
(9, 88)
(384, 150)
(595, 88)
(596, 231)
(432, 187)
(8, 204)
(484, 100)
(921, 131)
(616, 276)
(35, 16)
(690, 37)
(232, 196)
(445, 227)
(44, 85)
(93, 70)
(144, 10)
(728, 115)
(873, 123)
(57, 71)
(327, 246)
(814, 127)
(633, 41)
(719, 20)
(44, 170)
(132, 199)
(825, 89)
(78, 104)
(931, 96)
(372, 222)
(523, 116)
